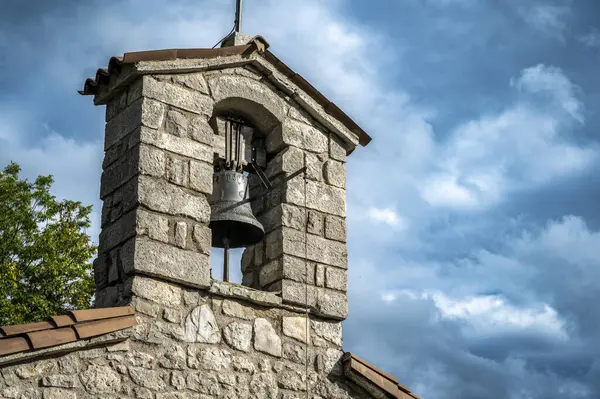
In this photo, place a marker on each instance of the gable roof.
(58, 330)
(368, 376)
(257, 44)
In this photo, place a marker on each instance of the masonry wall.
(198, 337)
(230, 342)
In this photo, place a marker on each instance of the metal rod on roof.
(238, 16)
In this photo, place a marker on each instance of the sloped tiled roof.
(369, 376)
(58, 330)
(257, 44)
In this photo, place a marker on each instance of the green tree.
(44, 251)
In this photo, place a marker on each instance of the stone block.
(200, 130)
(336, 278)
(118, 232)
(336, 148)
(335, 228)
(328, 330)
(145, 307)
(201, 326)
(177, 171)
(283, 215)
(153, 225)
(318, 249)
(315, 223)
(177, 123)
(156, 291)
(177, 96)
(237, 309)
(143, 112)
(222, 288)
(297, 134)
(181, 234)
(287, 161)
(296, 327)
(202, 237)
(295, 293)
(201, 177)
(178, 145)
(314, 167)
(270, 273)
(192, 80)
(152, 161)
(332, 303)
(320, 275)
(335, 173)
(265, 338)
(319, 196)
(238, 336)
(166, 262)
(100, 380)
(163, 197)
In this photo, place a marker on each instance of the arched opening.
(246, 162)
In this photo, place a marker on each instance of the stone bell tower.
(164, 131)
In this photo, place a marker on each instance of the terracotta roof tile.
(257, 43)
(79, 324)
(361, 371)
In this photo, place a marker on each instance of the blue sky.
(474, 231)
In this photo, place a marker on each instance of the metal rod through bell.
(226, 260)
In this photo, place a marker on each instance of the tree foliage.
(44, 250)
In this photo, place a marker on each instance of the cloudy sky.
(474, 225)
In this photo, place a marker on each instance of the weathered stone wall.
(228, 342)
(197, 337)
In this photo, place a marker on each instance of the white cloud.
(547, 19)
(493, 315)
(387, 216)
(552, 83)
(487, 158)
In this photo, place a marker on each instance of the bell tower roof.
(254, 52)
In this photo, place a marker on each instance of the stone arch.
(253, 100)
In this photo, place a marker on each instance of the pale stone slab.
(296, 327)
(201, 326)
(335, 228)
(238, 336)
(265, 338)
(171, 263)
(236, 309)
(156, 291)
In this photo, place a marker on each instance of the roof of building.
(369, 376)
(257, 44)
(58, 330)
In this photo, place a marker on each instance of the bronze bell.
(232, 226)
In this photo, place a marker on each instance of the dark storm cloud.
(484, 294)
